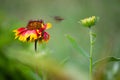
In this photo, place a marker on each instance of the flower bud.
(88, 22)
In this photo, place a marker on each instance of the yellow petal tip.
(49, 25)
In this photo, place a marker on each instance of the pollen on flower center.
(35, 24)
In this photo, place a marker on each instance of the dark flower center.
(35, 24)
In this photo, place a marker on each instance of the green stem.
(91, 50)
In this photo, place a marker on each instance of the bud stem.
(91, 50)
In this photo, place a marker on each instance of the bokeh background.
(17, 13)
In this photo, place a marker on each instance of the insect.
(58, 18)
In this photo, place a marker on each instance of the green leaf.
(76, 46)
(64, 60)
(94, 38)
(106, 60)
(93, 34)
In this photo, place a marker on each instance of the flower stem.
(44, 77)
(35, 45)
(91, 50)
(36, 52)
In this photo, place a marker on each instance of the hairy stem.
(91, 50)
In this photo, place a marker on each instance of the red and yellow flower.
(35, 30)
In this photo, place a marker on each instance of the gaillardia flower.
(88, 22)
(34, 31)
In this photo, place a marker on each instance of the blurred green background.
(17, 13)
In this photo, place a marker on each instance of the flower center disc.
(34, 25)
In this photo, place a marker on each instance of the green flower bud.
(88, 22)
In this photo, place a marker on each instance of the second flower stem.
(91, 50)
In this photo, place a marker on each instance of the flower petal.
(48, 25)
(22, 36)
(32, 34)
(46, 36)
(18, 31)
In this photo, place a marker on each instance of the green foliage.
(76, 46)
(106, 60)
(94, 38)
(17, 60)
(65, 60)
